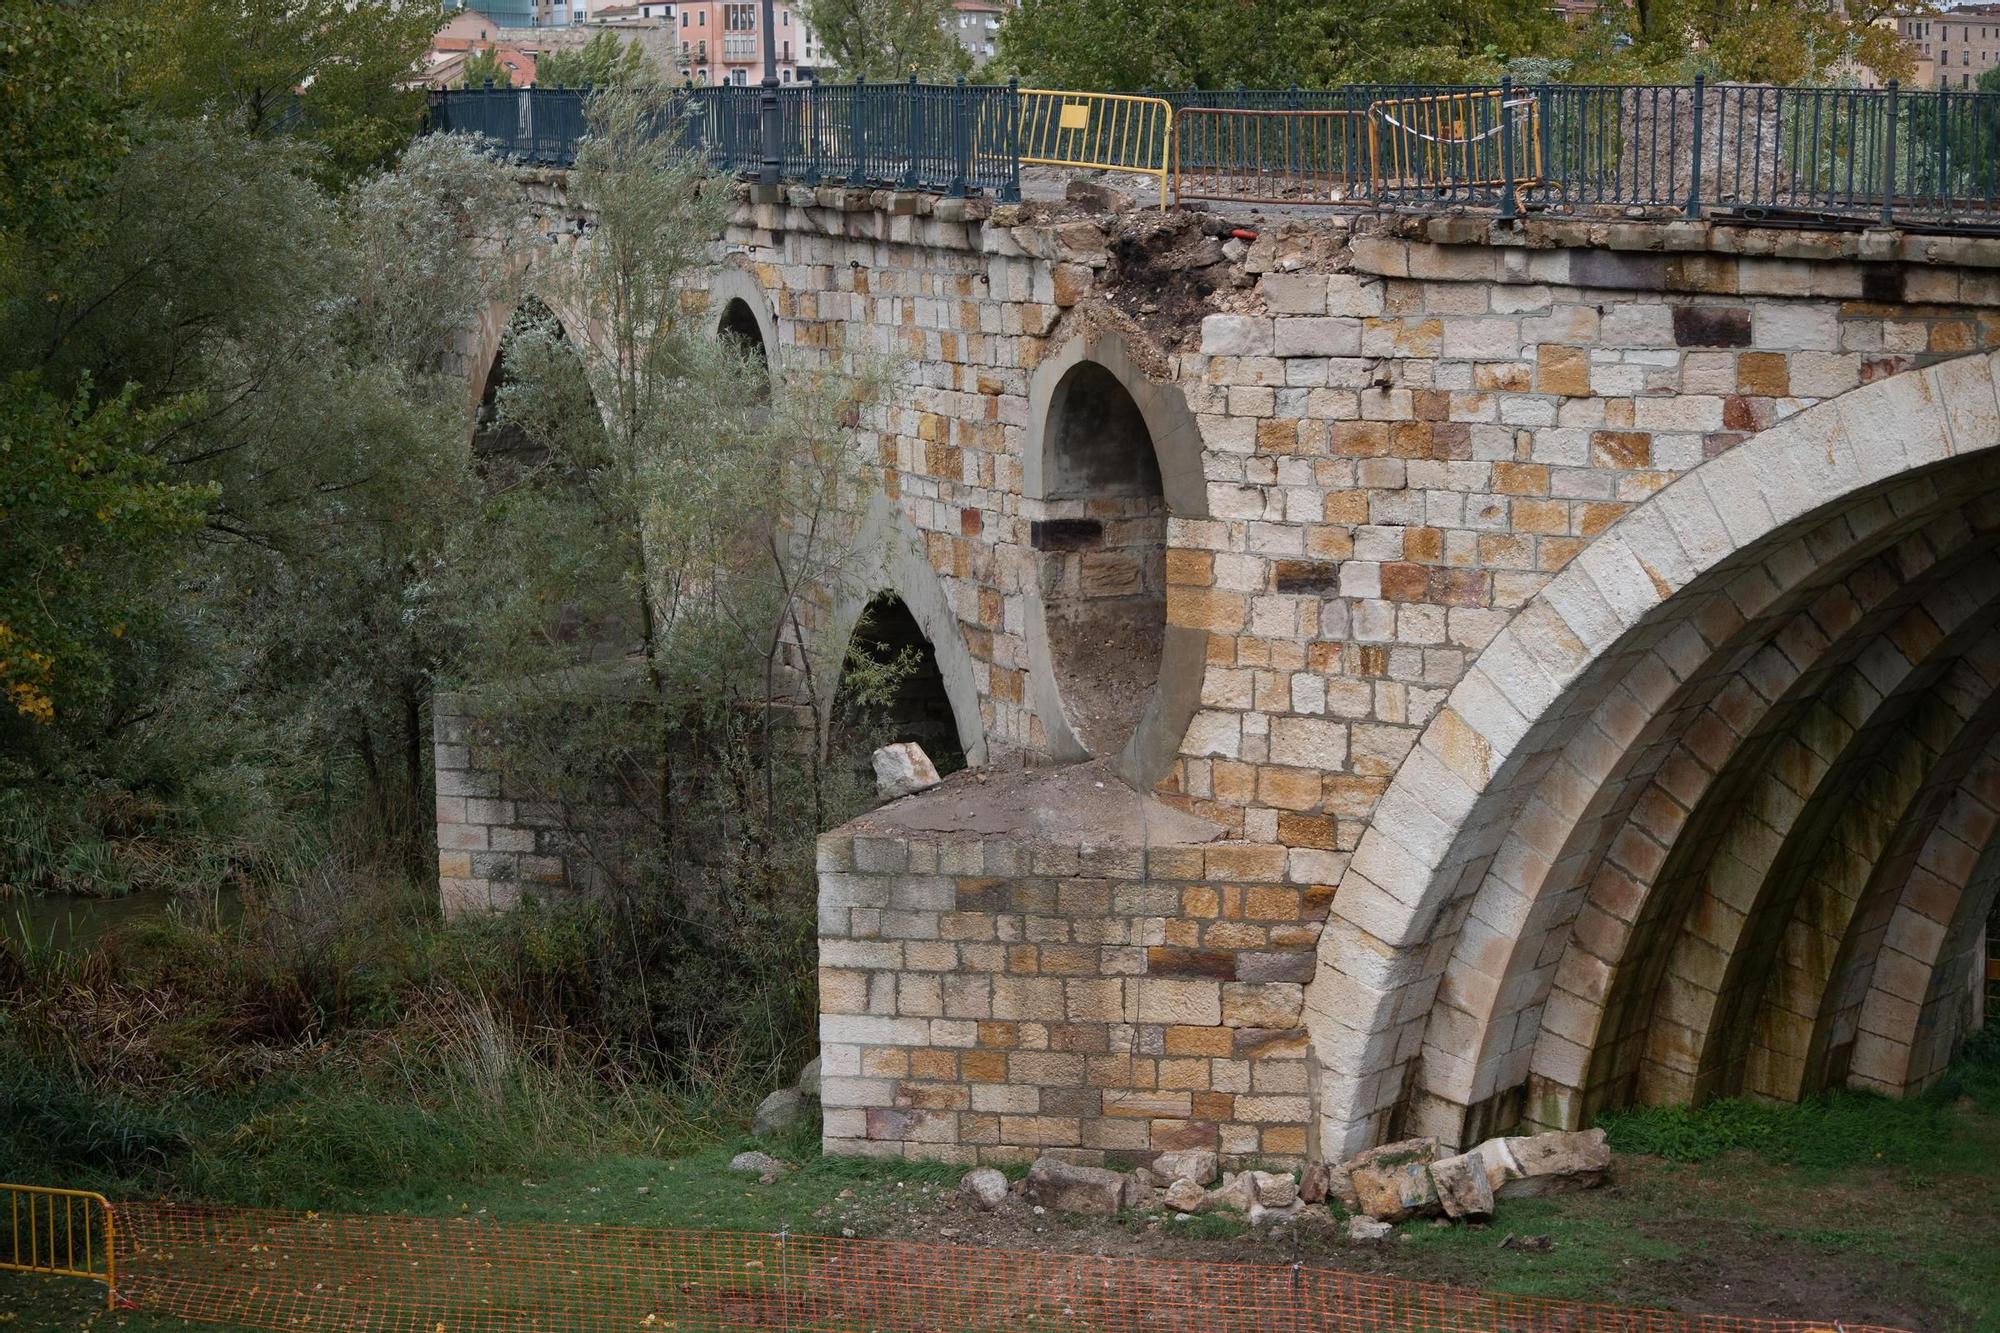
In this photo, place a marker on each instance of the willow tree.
(647, 652)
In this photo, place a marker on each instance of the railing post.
(910, 135)
(1694, 182)
(771, 169)
(1889, 161)
(857, 131)
(1509, 205)
(1543, 156)
(1010, 116)
(961, 142)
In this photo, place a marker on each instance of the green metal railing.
(1780, 156)
(947, 138)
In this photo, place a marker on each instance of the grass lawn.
(1851, 1209)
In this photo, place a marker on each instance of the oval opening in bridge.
(1101, 547)
(891, 690)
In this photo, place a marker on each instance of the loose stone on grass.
(985, 1187)
(778, 1112)
(1367, 1228)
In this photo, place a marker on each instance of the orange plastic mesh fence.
(466, 1275)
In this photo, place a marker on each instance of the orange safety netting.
(472, 1275)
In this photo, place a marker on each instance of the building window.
(739, 18)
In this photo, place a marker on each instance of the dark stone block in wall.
(1162, 961)
(1065, 534)
(1310, 577)
(1882, 283)
(1618, 269)
(1711, 326)
(1277, 966)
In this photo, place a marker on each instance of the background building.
(722, 41)
(1953, 47)
(976, 24)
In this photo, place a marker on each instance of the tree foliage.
(483, 68)
(888, 39)
(601, 62)
(338, 74)
(1768, 41)
(1127, 45)
(286, 352)
(61, 122)
(654, 635)
(85, 508)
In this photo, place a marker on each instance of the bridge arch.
(742, 313)
(888, 562)
(1631, 856)
(1110, 457)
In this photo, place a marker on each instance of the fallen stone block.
(1236, 1192)
(1393, 1182)
(1184, 1196)
(778, 1112)
(1067, 1188)
(1462, 1186)
(1557, 1163)
(1393, 1193)
(1274, 1189)
(767, 1167)
(1196, 1164)
(1313, 1184)
(1260, 1214)
(903, 769)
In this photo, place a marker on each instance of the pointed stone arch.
(741, 311)
(888, 558)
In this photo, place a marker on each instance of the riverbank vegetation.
(248, 534)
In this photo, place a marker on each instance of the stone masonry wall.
(987, 998)
(1403, 430)
(492, 846)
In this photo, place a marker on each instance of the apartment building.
(976, 25)
(1953, 46)
(722, 41)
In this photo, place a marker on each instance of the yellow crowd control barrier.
(1115, 131)
(1276, 157)
(1447, 140)
(62, 1233)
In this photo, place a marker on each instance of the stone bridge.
(1419, 675)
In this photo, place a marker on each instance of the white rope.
(1432, 138)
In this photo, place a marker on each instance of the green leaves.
(85, 511)
(883, 40)
(339, 75)
(61, 128)
(601, 62)
(1127, 45)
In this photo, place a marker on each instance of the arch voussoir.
(1571, 689)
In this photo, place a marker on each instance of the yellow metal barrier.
(1453, 139)
(1115, 131)
(1270, 157)
(62, 1233)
